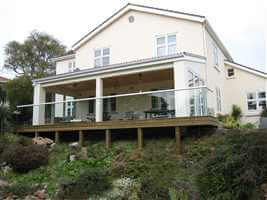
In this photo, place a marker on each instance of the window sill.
(231, 77)
(217, 68)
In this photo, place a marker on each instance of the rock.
(74, 144)
(52, 145)
(72, 158)
(3, 183)
(42, 141)
(6, 169)
(40, 194)
(3, 164)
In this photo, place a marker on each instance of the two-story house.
(144, 63)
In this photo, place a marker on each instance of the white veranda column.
(99, 102)
(38, 117)
(180, 97)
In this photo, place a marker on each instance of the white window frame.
(71, 66)
(218, 100)
(166, 44)
(102, 56)
(257, 99)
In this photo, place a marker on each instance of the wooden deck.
(121, 124)
(81, 127)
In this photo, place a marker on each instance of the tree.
(20, 92)
(33, 57)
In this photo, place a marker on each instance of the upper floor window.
(102, 57)
(166, 45)
(215, 55)
(72, 66)
(230, 73)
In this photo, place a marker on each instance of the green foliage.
(236, 112)
(264, 113)
(25, 158)
(92, 182)
(150, 190)
(236, 168)
(20, 190)
(228, 121)
(33, 57)
(248, 126)
(19, 92)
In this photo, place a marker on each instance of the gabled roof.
(3, 79)
(246, 68)
(119, 66)
(153, 10)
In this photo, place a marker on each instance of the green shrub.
(236, 112)
(25, 158)
(236, 169)
(92, 182)
(264, 113)
(248, 126)
(150, 190)
(18, 189)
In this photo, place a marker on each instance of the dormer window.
(102, 57)
(166, 45)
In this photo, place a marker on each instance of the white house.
(145, 62)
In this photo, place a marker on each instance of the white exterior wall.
(236, 89)
(38, 111)
(215, 75)
(137, 40)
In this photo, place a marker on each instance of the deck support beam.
(81, 137)
(178, 140)
(108, 138)
(57, 137)
(140, 139)
(36, 134)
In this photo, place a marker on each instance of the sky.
(240, 24)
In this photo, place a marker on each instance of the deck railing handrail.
(119, 95)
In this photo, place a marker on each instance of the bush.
(92, 182)
(20, 190)
(236, 169)
(248, 126)
(236, 112)
(25, 158)
(150, 190)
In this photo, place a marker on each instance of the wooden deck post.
(140, 140)
(57, 137)
(178, 140)
(36, 134)
(81, 137)
(108, 138)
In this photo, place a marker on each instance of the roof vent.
(131, 19)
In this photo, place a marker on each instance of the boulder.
(40, 194)
(72, 158)
(74, 145)
(3, 183)
(6, 169)
(42, 141)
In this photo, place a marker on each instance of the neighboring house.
(146, 62)
(3, 80)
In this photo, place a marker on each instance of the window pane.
(105, 61)
(231, 72)
(97, 53)
(251, 96)
(98, 62)
(252, 105)
(161, 51)
(262, 104)
(172, 49)
(171, 39)
(161, 41)
(106, 51)
(261, 95)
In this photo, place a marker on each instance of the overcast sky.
(240, 24)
